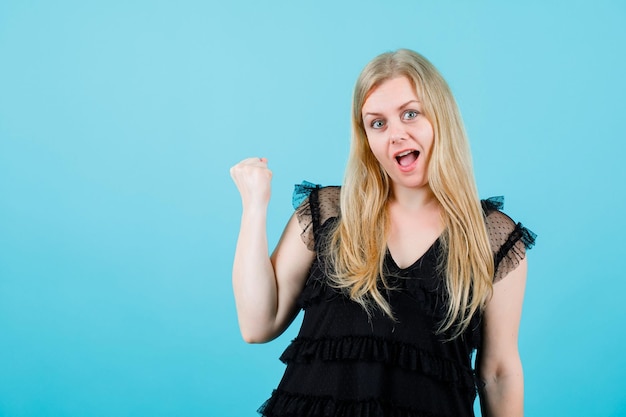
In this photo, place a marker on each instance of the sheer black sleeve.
(314, 205)
(509, 240)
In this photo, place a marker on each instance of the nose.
(396, 132)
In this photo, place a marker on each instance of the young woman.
(403, 272)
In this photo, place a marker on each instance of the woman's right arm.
(266, 288)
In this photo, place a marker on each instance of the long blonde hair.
(358, 244)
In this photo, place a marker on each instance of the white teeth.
(400, 155)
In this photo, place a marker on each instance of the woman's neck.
(412, 199)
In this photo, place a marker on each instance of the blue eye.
(410, 114)
(377, 124)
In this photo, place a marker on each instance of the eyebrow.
(399, 108)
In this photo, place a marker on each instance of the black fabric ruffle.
(378, 349)
(509, 249)
(302, 191)
(527, 236)
(286, 404)
(493, 203)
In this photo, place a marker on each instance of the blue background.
(118, 219)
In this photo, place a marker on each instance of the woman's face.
(399, 135)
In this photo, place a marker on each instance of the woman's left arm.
(498, 362)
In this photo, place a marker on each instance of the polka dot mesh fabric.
(327, 199)
(509, 240)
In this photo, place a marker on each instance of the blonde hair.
(357, 246)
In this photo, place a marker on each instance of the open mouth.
(407, 158)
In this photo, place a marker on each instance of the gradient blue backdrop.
(118, 124)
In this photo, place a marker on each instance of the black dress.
(343, 363)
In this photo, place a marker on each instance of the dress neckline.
(419, 260)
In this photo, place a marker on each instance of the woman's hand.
(253, 179)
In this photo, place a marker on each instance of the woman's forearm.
(254, 281)
(503, 395)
